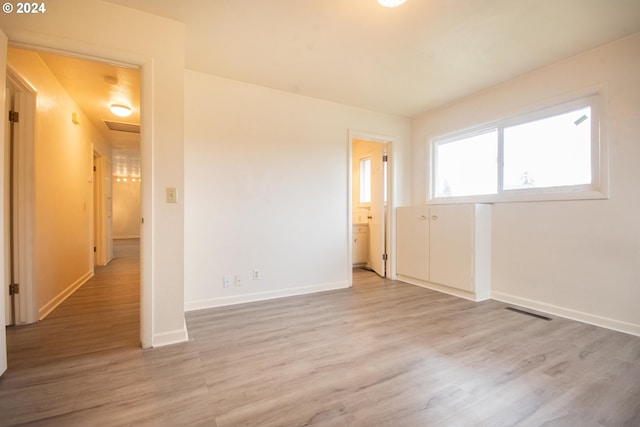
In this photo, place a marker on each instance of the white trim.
(477, 297)
(263, 296)
(3, 219)
(595, 96)
(351, 136)
(171, 337)
(62, 296)
(580, 316)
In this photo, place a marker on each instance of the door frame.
(25, 305)
(390, 211)
(100, 237)
(145, 65)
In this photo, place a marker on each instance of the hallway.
(103, 314)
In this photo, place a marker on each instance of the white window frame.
(597, 189)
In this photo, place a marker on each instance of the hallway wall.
(63, 191)
(126, 209)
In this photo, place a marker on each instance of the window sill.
(549, 196)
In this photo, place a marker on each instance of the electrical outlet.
(256, 274)
(238, 280)
(226, 281)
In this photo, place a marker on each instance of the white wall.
(126, 209)
(104, 30)
(63, 191)
(266, 187)
(580, 259)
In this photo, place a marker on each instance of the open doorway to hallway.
(79, 149)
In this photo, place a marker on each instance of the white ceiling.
(402, 61)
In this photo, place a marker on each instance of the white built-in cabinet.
(446, 247)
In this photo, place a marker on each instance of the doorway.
(369, 196)
(83, 183)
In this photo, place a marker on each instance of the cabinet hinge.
(385, 158)
(14, 116)
(384, 257)
(14, 289)
(95, 249)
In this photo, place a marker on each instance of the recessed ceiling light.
(120, 110)
(391, 3)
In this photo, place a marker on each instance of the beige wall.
(266, 187)
(579, 259)
(63, 191)
(126, 209)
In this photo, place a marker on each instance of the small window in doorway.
(365, 180)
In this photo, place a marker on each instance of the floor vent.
(528, 313)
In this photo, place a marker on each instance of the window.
(549, 154)
(365, 180)
(467, 166)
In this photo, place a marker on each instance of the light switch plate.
(172, 196)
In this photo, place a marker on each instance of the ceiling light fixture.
(120, 110)
(391, 3)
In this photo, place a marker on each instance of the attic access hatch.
(122, 127)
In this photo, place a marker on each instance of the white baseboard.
(605, 322)
(62, 296)
(262, 296)
(171, 337)
(444, 289)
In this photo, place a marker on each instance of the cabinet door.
(451, 252)
(412, 234)
(360, 244)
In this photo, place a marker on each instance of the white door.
(20, 201)
(412, 242)
(377, 217)
(3, 332)
(8, 205)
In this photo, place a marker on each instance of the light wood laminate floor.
(382, 353)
